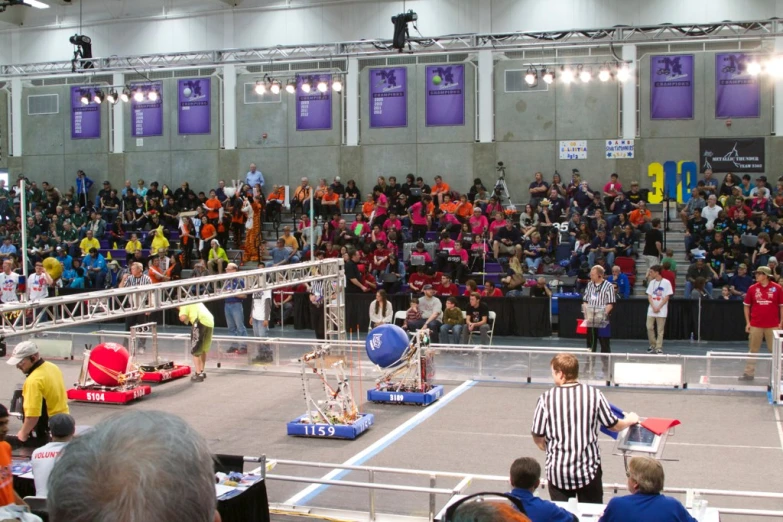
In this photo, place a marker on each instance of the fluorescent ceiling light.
(36, 4)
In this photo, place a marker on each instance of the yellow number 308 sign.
(677, 179)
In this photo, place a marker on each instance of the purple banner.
(671, 87)
(389, 97)
(314, 108)
(195, 116)
(737, 93)
(445, 98)
(85, 119)
(146, 115)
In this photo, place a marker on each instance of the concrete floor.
(728, 440)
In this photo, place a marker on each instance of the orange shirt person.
(213, 206)
(368, 206)
(639, 216)
(278, 194)
(7, 493)
(464, 208)
(441, 187)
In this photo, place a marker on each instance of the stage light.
(260, 88)
(547, 75)
(623, 74)
(604, 74)
(98, 96)
(275, 88)
(138, 96)
(322, 87)
(337, 85)
(566, 75)
(753, 68)
(585, 75)
(306, 86)
(36, 4)
(112, 97)
(85, 99)
(290, 87)
(531, 77)
(153, 96)
(125, 96)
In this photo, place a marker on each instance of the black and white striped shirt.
(600, 295)
(138, 281)
(569, 417)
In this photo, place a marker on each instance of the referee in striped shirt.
(599, 296)
(565, 425)
(137, 277)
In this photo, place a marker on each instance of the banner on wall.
(737, 93)
(388, 97)
(619, 149)
(445, 98)
(194, 110)
(146, 115)
(732, 155)
(85, 119)
(314, 108)
(671, 87)
(573, 150)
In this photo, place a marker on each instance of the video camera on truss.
(501, 189)
(336, 416)
(407, 365)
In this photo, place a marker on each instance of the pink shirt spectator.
(463, 254)
(451, 219)
(381, 210)
(446, 244)
(613, 188)
(380, 236)
(495, 226)
(416, 217)
(392, 223)
(425, 255)
(478, 225)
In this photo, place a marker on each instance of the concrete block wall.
(528, 129)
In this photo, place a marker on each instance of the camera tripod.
(501, 189)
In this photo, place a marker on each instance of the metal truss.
(94, 307)
(639, 35)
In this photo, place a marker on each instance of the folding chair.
(491, 320)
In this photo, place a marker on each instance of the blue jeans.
(609, 256)
(533, 264)
(259, 330)
(235, 319)
(453, 337)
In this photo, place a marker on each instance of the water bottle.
(692, 339)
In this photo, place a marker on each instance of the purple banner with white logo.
(737, 93)
(445, 98)
(195, 116)
(146, 114)
(85, 119)
(389, 97)
(314, 108)
(671, 87)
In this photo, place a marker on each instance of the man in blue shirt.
(235, 313)
(525, 476)
(63, 257)
(83, 184)
(603, 246)
(738, 283)
(95, 266)
(622, 285)
(6, 249)
(645, 504)
(254, 177)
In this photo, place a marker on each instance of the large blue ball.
(385, 344)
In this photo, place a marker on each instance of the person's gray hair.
(134, 467)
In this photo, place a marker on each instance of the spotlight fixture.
(547, 76)
(85, 99)
(531, 77)
(306, 86)
(260, 88)
(112, 97)
(138, 95)
(566, 75)
(753, 68)
(623, 74)
(98, 97)
(585, 74)
(337, 85)
(322, 87)
(275, 88)
(125, 96)
(290, 87)
(153, 96)
(604, 74)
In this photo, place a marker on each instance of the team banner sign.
(85, 119)
(671, 87)
(732, 155)
(445, 98)
(388, 97)
(737, 93)
(194, 107)
(147, 115)
(314, 108)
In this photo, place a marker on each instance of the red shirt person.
(763, 315)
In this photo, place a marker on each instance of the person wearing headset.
(486, 507)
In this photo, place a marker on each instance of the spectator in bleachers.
(761, 189)
(505, 239)
(217, 258)
(114, 275)
(699, 289)
(696, 203)
(301, 195)
(716, 263)
(541, 289)
(157, 240)
(475, 189)
(698, 269)
(62, 256)
(95, 267)
(89, 243)
(763, 251)
(602, 247)
(381, 311)
(622, 286)
(431, 313)
(612, 189)
(740, 282)
(624, 240)
(418, 213)
(446, 287)
(439, 190)
(619, 207)
(538, 189)
(254, 176)
(476, 319)
(418, 280)
(83, 185)
(490, 290)
(528, 220)
(641, 217)
(453, 323)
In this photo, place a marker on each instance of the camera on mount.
(501, 168)
(408, 17)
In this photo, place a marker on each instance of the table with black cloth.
(720, 320)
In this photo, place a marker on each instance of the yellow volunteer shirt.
(86, 244)
(45, 383)
(198, 311)
(133, 246)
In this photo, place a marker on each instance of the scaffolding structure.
(94, 307)
(513, 41)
